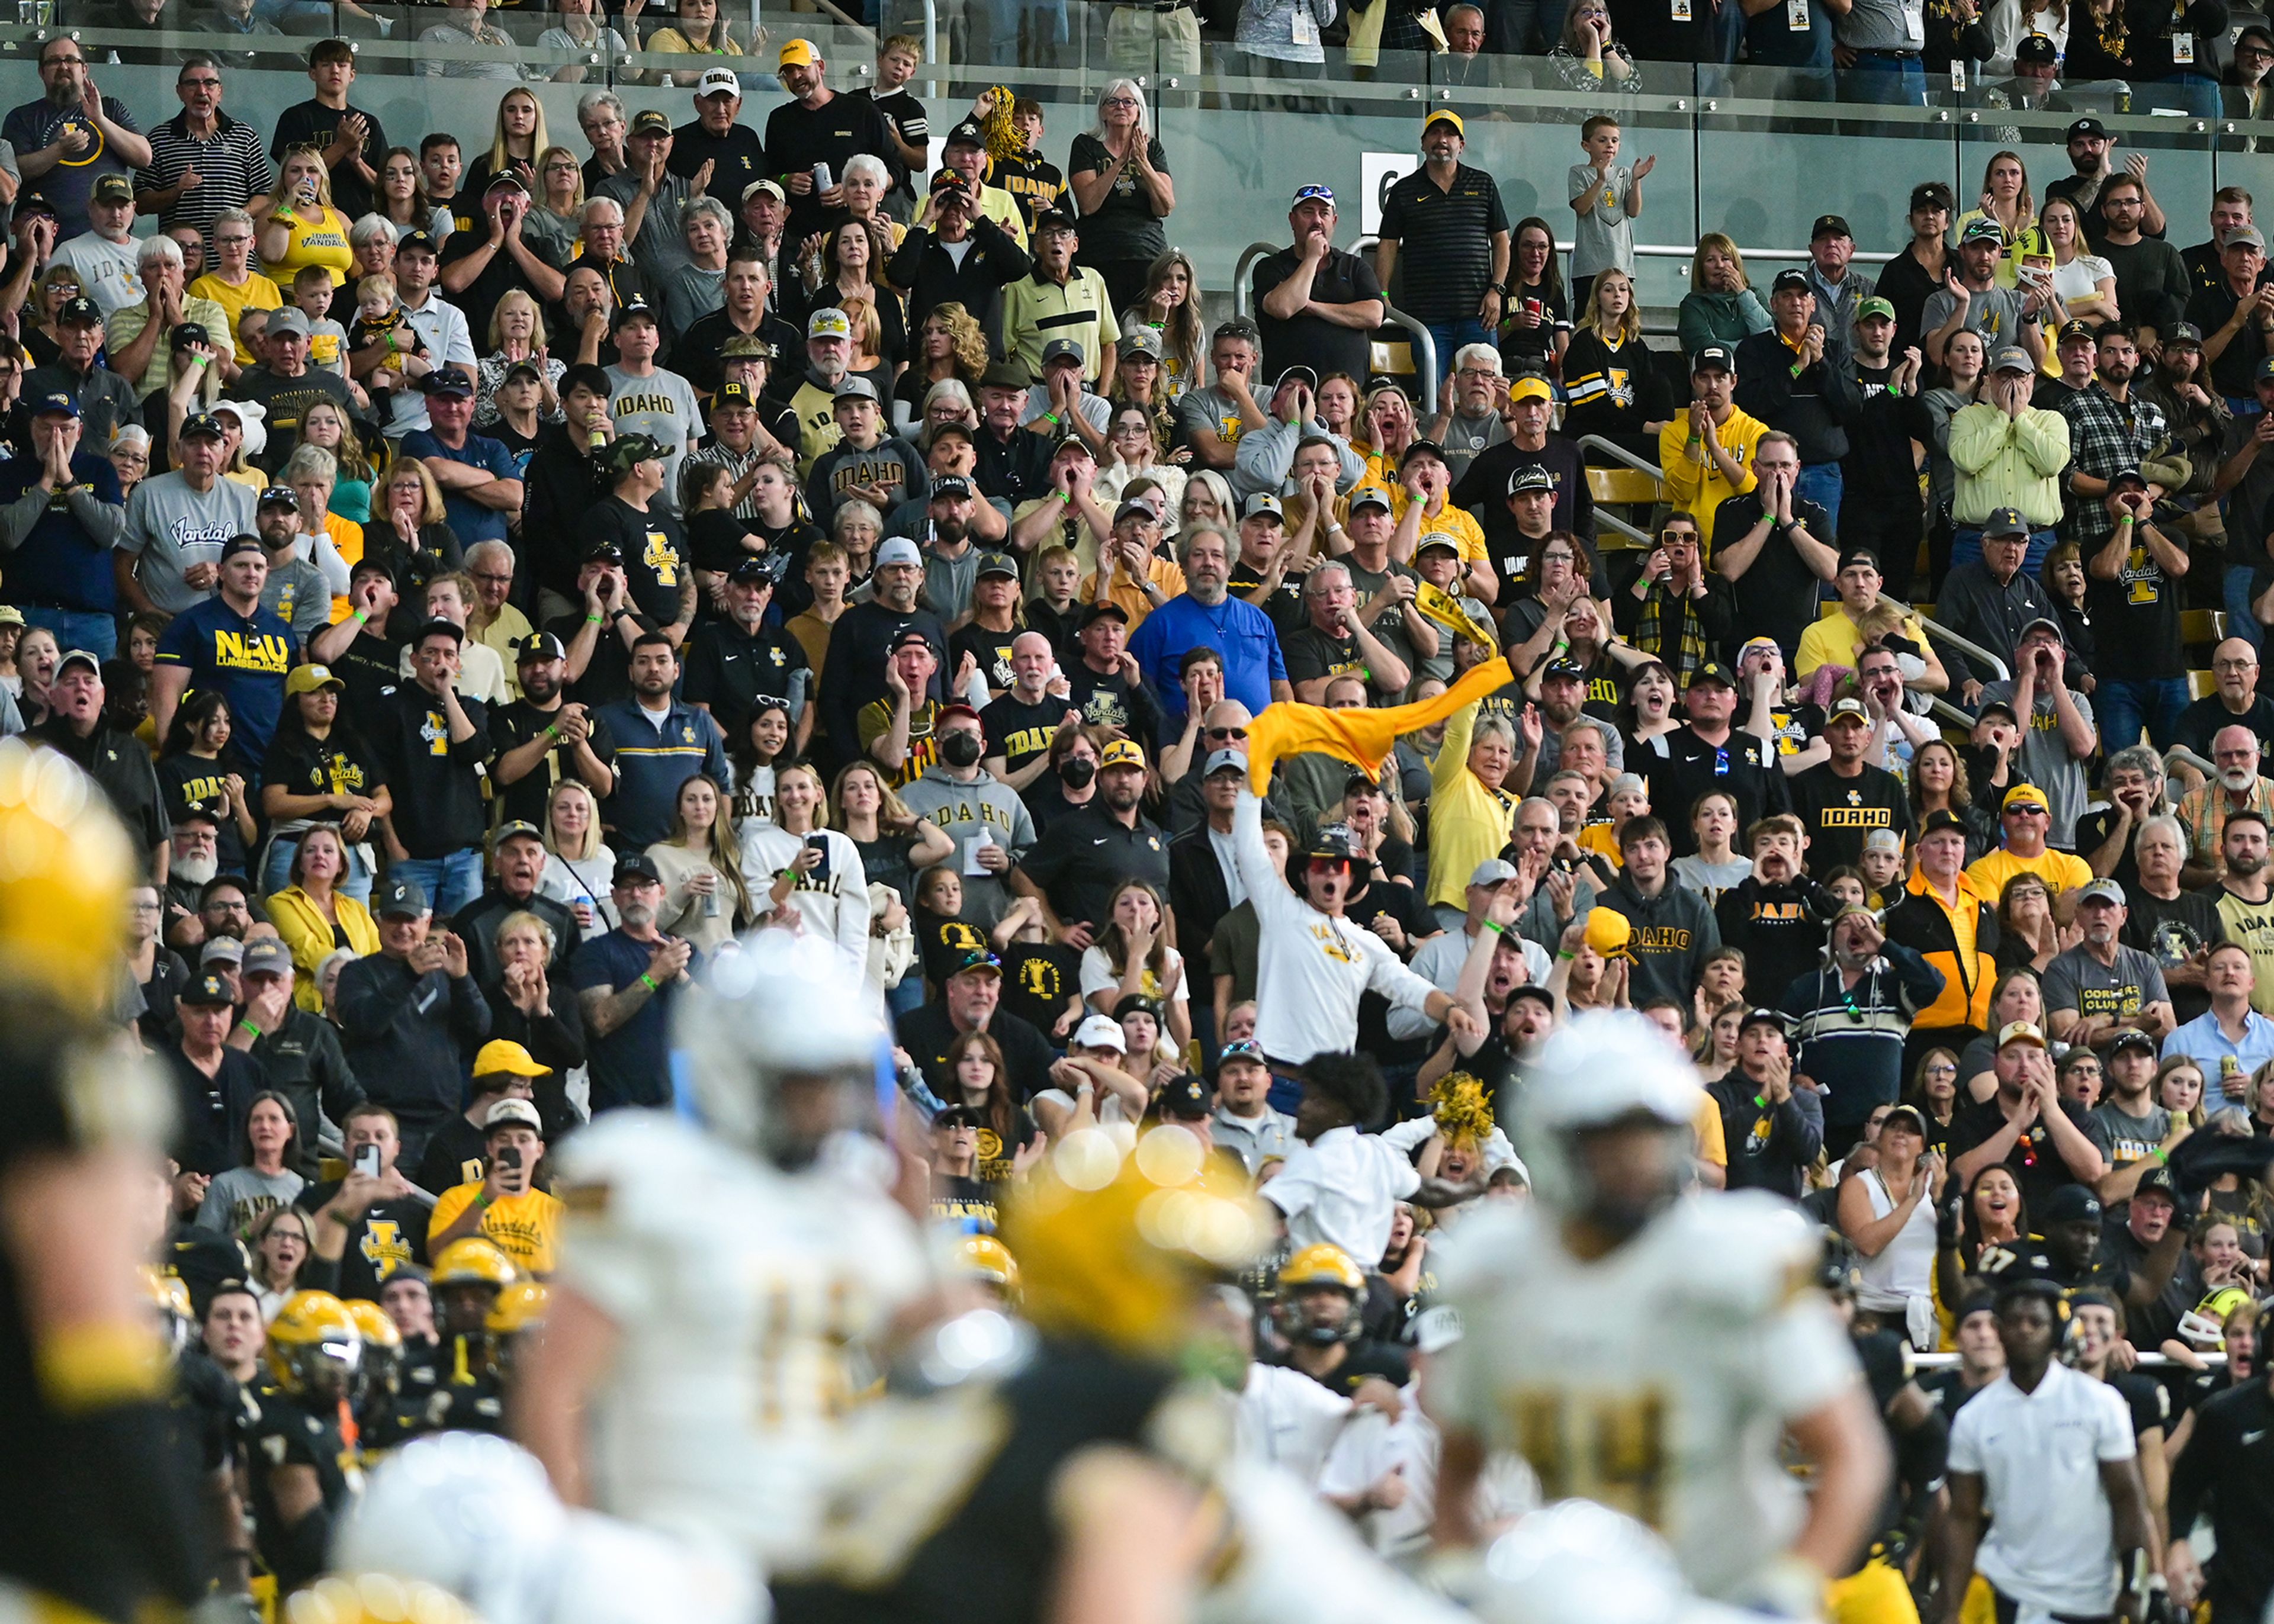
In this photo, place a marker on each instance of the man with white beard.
(2236, 786)
(193, 857)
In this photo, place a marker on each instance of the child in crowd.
(943, 935)
(312, 291)
(1052, 611)
(1606, 197)
(380, 319)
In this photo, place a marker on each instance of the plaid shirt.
(2106, 435)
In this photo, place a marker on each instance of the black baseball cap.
(1791, 282)
(401, 899)
(1712, 671)
(539, 646)
(1712, 357)
(1942, 818)
(636, 866)
(440, 626)
(1829, 225)
(2092, 127)
(2037, 48)
(1185, 1098)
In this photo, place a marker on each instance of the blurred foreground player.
(720, 1287)
(102, 1514)
(1646, 1351)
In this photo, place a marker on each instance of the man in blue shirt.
(481, 486)
(61, 517)
(660, 744)
(1206, 614)
(229, 643)
(627, 980)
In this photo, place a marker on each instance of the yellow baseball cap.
(1530, 386)
(1121, 753)
(2023, 794)
(797, 53)
(505, 1055)
(1608, 932)
(308, 679)
(1445, 116)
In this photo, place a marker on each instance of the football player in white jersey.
(1650, 1350)
(719, 1286)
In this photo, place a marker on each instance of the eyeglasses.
(2027, 811)
(496, 577)
(1224, 733)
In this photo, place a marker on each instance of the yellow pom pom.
(1465, 1115)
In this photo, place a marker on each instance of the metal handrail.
(1956, 642)
(2147, 1361)
(1617, 453)
(1424, 342)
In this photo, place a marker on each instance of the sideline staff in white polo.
(2046, 1454)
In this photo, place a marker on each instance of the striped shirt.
(1037, 309)
(232, 170)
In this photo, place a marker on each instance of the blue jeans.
(77, 628)
(910, 995)
(2123, 708)
(1884, 80)
(2198, 93)
(1820, 483)
(1449, 336)
(2235, 594)
(276, 870)
(449, 883)
(1966, 548)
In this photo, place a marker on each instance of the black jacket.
(405, 1034)
(119, 764)
(1197, 891)
(478, 924)
(931, 277)
(1816, 406)
(1769, 1147)
(306, 1063)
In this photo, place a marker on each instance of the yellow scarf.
(1448, 612)
(1364, 738)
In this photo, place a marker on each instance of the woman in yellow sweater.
(314, 916)
(1471, 816)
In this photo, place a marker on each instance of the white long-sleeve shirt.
(1310, 967)
(835, 909)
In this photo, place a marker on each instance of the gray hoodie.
(961, 810)
(1267, 453)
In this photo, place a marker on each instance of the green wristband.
(648, 981)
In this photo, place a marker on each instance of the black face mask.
(1076, 770)
(960, 749)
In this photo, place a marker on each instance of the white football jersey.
(1656, 1379)
(744, 1300)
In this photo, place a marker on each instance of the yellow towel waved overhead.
(1362, 738)
(1448, 612)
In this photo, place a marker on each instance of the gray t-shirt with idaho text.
(171, 527)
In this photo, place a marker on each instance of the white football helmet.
(1597, 1070)
(1577, 1562)
(781, 1007)
(476, 1516)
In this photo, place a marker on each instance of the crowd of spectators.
(487, 592)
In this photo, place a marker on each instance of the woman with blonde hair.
(579, 868)
(1720, 307)
(556, 206)
(944, 403)
(949, 348)
(798, 862)
(1132, 957)
(407, 522)
(324, 426)
(1611, 381)
(1170, 306)
(705, 896)
(2180, 1089)
(1388, 427)
(1207, 503)
(516, 335)
(516, 137)
(296, 225)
